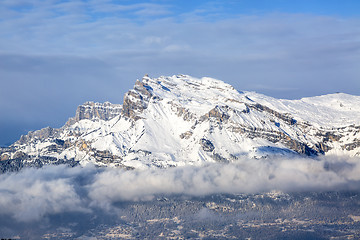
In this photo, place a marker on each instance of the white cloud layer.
(33, 194)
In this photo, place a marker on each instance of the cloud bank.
(34, 194)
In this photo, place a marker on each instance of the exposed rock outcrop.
(90, 110)
(38, 135)
(207, 145)
(136, 100)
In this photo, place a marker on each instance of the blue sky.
(55, 55)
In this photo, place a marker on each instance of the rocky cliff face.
(90, 110)
(137, 100)
(179, 120)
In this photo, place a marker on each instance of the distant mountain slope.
(332, 110)
(181, 120)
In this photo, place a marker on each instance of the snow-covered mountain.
(182, 120)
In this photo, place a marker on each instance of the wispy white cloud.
(33, 194)
(246, 176)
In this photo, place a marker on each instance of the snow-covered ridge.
(181, 120)
(331, 110)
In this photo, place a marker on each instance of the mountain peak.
(180, 120)
(198, 94)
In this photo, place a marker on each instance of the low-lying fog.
(32, 195)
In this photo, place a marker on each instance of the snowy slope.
(181, 120)
(332, 110)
